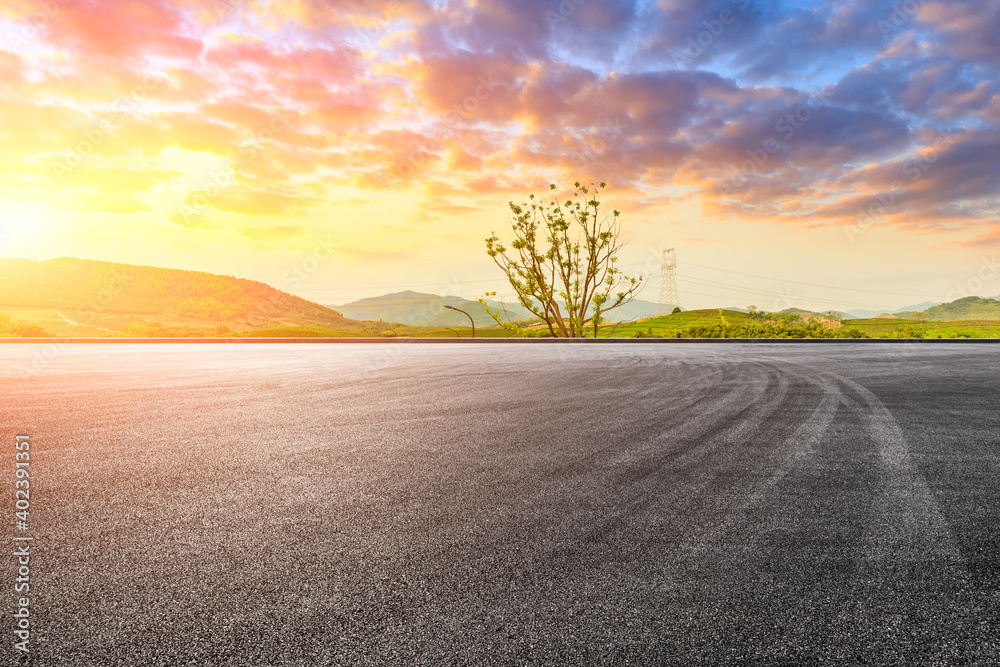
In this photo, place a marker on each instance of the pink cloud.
(121, 29)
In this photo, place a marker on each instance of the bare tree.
(562, 263)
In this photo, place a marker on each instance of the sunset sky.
(783, 147)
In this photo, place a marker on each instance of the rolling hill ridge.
(967, 308)
(126, 291)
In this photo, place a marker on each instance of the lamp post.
(467, 315)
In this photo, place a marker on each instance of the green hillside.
(969, 308)
(83, 297)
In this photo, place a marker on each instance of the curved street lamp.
(467, 315)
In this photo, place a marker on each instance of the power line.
(798, 299)
(795, 282)
(713, 296)
(712, 283)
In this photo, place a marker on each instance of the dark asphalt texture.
(507, 505)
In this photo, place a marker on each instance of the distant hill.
(148, 293)
(801, 312)
(418, 309)
(863, 313)
(636, 309)
(969, 308)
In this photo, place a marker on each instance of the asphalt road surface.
(506, 505)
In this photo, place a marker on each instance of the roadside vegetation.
(713, 323)
(19, 329)
(759, 330)
(754, 324)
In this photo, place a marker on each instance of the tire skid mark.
(797, 447)
(909, 529)
(687, 445)
(912, 525)
(704, 389)
(733, 418)
(919, 529)
(907, 532)
(685, 442)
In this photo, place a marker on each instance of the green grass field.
(875, 328)
(670, 324)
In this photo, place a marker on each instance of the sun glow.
(24, 226)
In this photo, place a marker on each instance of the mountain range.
(862, 313)
(418, 309)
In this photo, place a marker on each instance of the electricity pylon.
(668, 288)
